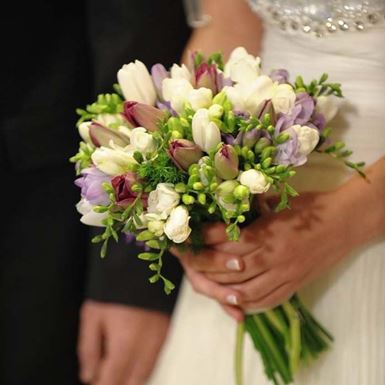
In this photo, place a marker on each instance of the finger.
(279, 295)
(260, 286)
(215, 233)
(223, 294)
(213, 261)
(253, 265)
(146, 358)
(236, 313)
(89, 345)
(118, 359)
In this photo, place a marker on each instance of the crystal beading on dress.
(323, 17)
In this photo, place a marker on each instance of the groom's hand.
(118, 344)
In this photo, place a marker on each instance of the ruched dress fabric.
(349, 299)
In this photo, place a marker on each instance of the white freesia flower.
(255, 181)
(136, 83)
(307, 137)
(206, 134)
(113, 161)
(141, 140)
(247, 96)
(177, 226)
(176, 91)
(89, 216)
(283, 98)
(163, 200)
(327, 106)
(242, 67)
(84, 132)
(180, 72)
(200, 98)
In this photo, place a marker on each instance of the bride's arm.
(232, 23)
(279, 253)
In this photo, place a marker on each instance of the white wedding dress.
(349, 300)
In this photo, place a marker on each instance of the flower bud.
(255, 181)
(136, 83)
(102, 136)
(261, 144)
(216, 111)
(143, 115)
(206, 76)
(224, 191)
(206, 134)
(184, 153)
(159, 73)
(188, 199)
(226, 162)
(250, 137)
(241, 192)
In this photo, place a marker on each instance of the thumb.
(89, 343)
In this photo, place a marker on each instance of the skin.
(119, 345)
(281, 252)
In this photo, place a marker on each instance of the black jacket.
(56, 56)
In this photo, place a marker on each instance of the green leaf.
(145, 235)
(148, 256)
(154, 278)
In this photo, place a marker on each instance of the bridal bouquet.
(171, 150)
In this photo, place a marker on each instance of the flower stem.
(239, 353)
(295, 336)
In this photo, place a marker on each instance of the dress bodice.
(321, 17)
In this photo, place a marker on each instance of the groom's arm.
(122, 278)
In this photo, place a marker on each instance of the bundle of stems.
(286, 337)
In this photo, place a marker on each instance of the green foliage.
(318, 87)
(105, 103)
(82, 159)
(160, 170)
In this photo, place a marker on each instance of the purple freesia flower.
(287, 153)
(300, 114)
(280, 75)
(91, 186)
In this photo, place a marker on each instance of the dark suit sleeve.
(122, 278)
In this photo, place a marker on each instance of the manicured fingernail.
(231, 299)
(233, 264)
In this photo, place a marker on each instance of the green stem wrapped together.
(286, 337)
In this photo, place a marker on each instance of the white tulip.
(176, 91)
(89, 216)
(283, 98)
(327, 106)
(200, 98)
(255, 181)
(141, 140)
(177, 226)
(113, 161)
(242, 67)
(206, 134)
(180, 72)
(136, 83)
(84, 132)
(163, 200)
(247, 96)
(307, 137)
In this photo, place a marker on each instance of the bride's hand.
(279, 253)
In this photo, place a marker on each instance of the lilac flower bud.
(281, 76)
(226, 162)
(184, 153)
(91, 184)
(143, 115)
(158, 74)
(101, 136)
(250, 137)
